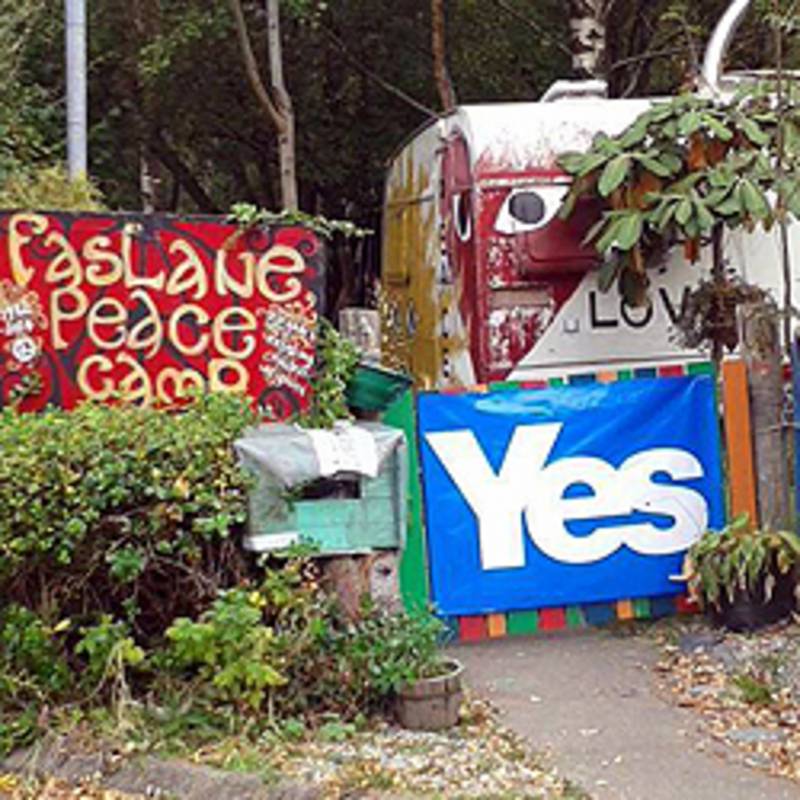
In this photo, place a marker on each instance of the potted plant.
(398, 656)
(742, 576)
(432, 700)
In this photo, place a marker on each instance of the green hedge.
(122, 579)
(121, 510)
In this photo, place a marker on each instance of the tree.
(274, 101)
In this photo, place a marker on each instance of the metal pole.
(720, 39)
(76, 86)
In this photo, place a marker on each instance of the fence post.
(739, 439)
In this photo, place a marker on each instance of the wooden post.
(739, 439)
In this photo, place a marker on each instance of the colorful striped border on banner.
(531, 621)
(523, 623)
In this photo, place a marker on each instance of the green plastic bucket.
(375, 388)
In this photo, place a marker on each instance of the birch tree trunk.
(587, 24)
(286, 137)
(274, 102)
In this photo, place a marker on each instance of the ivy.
(248, 215)
(337, 359)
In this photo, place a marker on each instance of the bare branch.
(534, 26)
(358, 64)
(265, 101)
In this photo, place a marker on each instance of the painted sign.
(145, 308)
(551, 497)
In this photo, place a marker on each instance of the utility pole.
(76, 86)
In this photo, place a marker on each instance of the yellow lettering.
(20, 272)
(173, 330)
(148, 333)
(190, 273)
(103, 365)
(116, 315)
(217, 370)
(59, 313)
(225, 282)
(66, 266)
(225, 324)
(129, 255)
(280, 260)
(183, 381)
(136, 385)
(97, 251)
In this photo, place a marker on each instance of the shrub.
(49, 187)
(121, 510)
(122, 579)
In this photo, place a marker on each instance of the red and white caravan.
(487, 283)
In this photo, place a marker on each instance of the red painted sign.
(146, 308)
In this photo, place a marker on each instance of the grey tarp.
(283, 456)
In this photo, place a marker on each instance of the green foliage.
(385, 651)
(109, 649)
(49, 188)
(30, 660)
(106, 503)
(754, 691)
(337, 358)
(740, 557)
(684, 171)
(230, 648)
(32, 671)
(249, 215)
(276, 657)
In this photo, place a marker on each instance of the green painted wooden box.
(372, 516)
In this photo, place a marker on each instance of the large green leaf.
(613, 175)
(608, 272)
(689, 122)
(651, 164)
(719, 130)
(683, 212)
(755, 203)
(705, 219)
(753, 131)
(629, 230)
(609, 237)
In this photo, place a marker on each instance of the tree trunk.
(443, 85)
(275, 104)
(286, 137)
(762, 351)
(587, 24)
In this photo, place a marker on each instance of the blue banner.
(553, 497)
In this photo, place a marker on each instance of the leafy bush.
(382, 652)
(30, 660)
(336, 362)
(740, 557)
(49, 187)
(122, 581)
(231, 648)
(121, 510)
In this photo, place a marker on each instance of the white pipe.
(719, 42)
(76, 86)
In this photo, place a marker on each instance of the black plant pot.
(750, 611)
